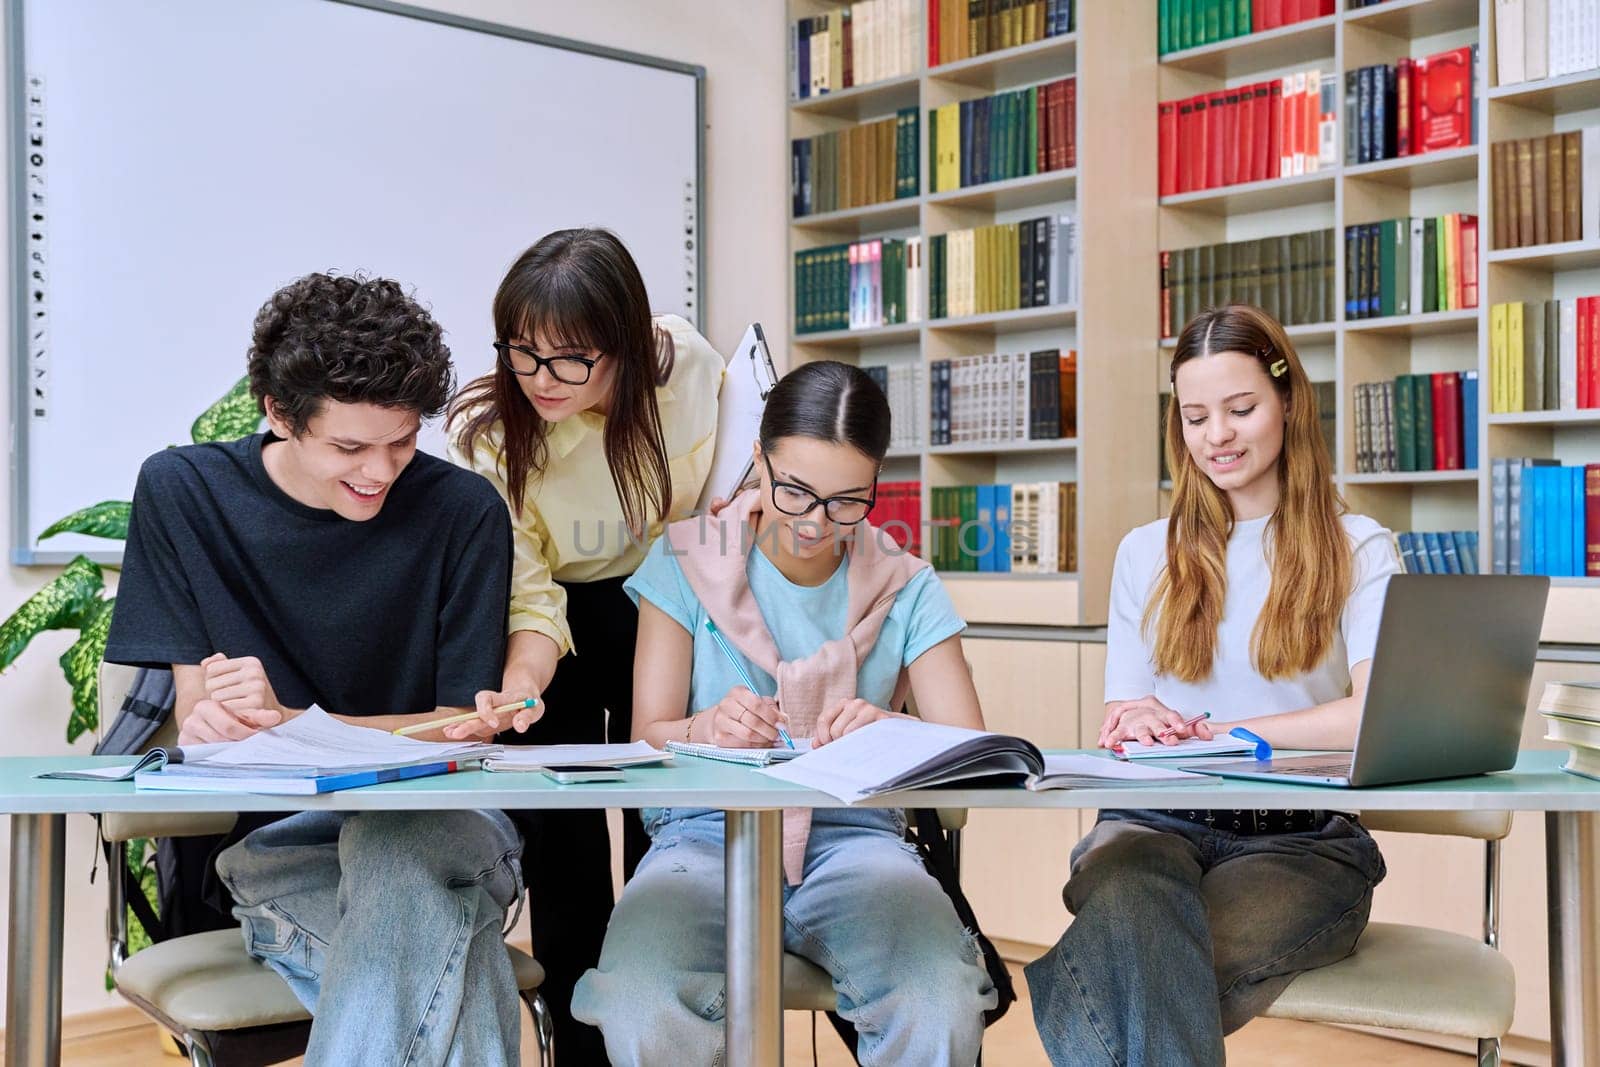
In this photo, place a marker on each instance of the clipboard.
(746, 383)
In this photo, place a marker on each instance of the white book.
(1021, 374)
(1569, 355)
(1049, 527)
(1556, 39)
(538, 757)
(1222, 745)
(1510, 62)
(1589, 208)
(919, 409)
(1415, 248)
(911, 38)
(754, 757)
(914, 287)
(819, 62)
(1536, 40)
(861, 38)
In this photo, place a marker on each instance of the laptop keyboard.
(1318, 770)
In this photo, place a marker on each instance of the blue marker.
(727, 650)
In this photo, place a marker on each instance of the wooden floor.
(1012, 1042)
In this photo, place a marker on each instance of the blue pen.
(727, 650)
(1263, 749)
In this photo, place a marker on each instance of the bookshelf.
(1116, 253)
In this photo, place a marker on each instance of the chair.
(223, 1006)
(1403, 977)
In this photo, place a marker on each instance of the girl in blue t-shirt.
(833, 624)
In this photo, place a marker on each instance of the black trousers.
(566, 855)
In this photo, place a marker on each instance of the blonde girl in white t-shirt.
(1257, 602)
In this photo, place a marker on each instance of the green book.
(1031, 156)
(1441, 236)
(1227, 27)
(1422, 402)
(968, 537)
(1402, 268)
(1213, 16)
(1187, 38)
(1164, 27)
(1431, 266)
(933, 152)
(1386, 267)
(1405, 424)
(1270, 268)
(1241, 16)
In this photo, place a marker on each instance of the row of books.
(898, 513)
(878, 282)
(858, 44)
(869, 163)
(1544, 355)
(1327, 420)
(1417, 422)
(1008, 135)
(1004, 266)
(1541, 186)
(1418, 105)
(1290, 276)
(903, 386)
(961, 29)
(1411, 266)
(1022, 528)
(1447, 552)
(1249, 133)
(1004, 396)
(1571, 713)
(1545, 518)
(1538, 39)
(1191, 23)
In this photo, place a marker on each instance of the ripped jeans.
(907, 973)
(389, 928)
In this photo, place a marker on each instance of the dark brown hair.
(349, 338)
(829, 401)
(581, 288)
(1309, 553)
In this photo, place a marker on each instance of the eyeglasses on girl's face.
(525, 362)
(796, 500)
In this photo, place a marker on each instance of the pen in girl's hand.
(435, 724)
(727, 650)
(1169, 731)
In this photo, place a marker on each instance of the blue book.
(983, 541)
(1537, 494)
(1577, 546)
(1469, 419)
(1472, 540)
(1452, 559)
(1430, 541)
(1465, 551)
(1557, 510)
(178, 776)
(1424, 561)
(1002, 529)
(1408, 554)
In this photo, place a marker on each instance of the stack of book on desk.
(1571, 713)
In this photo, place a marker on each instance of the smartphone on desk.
(587, 773)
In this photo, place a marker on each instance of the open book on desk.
(310, 750)
(538, 757)
(752, 757)
(894, 754)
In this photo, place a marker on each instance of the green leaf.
(109, 518)
(67, 602)
(230, 418)
(81, 665)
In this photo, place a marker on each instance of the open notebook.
(754, 757)
(311, 753)
(538, 757)
(893, 754)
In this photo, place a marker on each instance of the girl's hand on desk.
(240, 685)
(845, 716)
(743, 720)
(1142, 721)
(209, 721)
(491, 722)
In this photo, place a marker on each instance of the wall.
(741, 46)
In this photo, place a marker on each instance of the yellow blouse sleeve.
(537, 602)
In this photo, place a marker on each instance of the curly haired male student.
(329, 562)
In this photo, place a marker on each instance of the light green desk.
(753, 873)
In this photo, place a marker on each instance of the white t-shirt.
(1234, 690)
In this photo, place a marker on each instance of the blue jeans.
(1183, 933)
(399, 915)
(907, 973)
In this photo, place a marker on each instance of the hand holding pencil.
(495, 712)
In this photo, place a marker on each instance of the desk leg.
(1572, 846)
(33, 970)
(754, 895)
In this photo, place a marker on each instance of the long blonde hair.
(1308, 551)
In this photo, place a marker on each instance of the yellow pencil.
(417, 728)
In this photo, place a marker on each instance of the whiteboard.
(175, 162)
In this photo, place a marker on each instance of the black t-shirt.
(399, 614)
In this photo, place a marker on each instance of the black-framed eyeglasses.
(796, 500)
(570, 370)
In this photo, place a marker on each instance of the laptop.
(1448, 689)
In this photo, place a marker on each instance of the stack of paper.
(538, 757)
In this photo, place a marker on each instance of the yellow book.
(949, 175)
(1497, 359)
(1013, 267)
(1452, 261)
(1514, 369)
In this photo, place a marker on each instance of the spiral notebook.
(750, 757)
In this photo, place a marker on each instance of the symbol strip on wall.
(36, 151)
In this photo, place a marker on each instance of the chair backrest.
(115, 681)
(1482, 825)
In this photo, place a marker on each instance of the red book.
(1198, 148)
(1275, 142)
(1266, 15)
(1402, 110)
(1167, 138)
(1324, 7)
(1468, 259)
(1584, 400)
(1260, 127)
(1068, 95)
(1444, 93)
(1166, 294)
(1441, 455)
(1185, 145)
(1230, 138)
(933, 33)
(1216, 132)
(1591, 520)
(1593, 318)
(1246, 144)
(1045, 113)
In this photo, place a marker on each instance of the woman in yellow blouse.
(597, 427)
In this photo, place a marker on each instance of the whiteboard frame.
(23, 553)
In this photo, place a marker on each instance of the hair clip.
(1279, 368)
